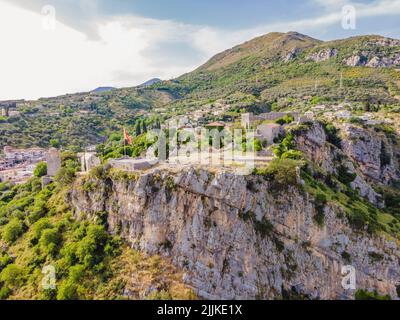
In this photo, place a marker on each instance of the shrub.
(282, 172)
(320, 202)
(37, 211)
(346, 256)
(293, 154)
(90, 249)
(344, 176)
(257, 145)
(40, 170)
(159, 295)
(357, 220)
(385, 157)
(39, 227)
(65, 176)
(5, 260)
(375, 256)
(13, 230)
(366, 295)
(332, 135)
(55, 143)
(12, 275)
(4, 293)
(50, 240)
(67, 291)
(355, 120)
(263, 227)
(285, 120)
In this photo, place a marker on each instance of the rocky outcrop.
(372, 61)
(323, 55)
(373, 152)
(316, 148)
(238, 237)
(355, 61)
(363, 152)
(291, 55)
(384, 42)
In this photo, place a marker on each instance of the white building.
(309, 115)
(319, 108)
(344, 114)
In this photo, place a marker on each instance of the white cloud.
(35, 62)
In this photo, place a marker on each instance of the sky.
(53, 47)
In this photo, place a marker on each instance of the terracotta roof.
(216, 124)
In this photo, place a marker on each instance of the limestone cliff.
(370, 155)
(239, 237)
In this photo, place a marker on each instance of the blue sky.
(123, 43)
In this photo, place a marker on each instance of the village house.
(344, 114)
(309, 115)
(30, 155)
(8, 107)
(268, 132)
(319, 108)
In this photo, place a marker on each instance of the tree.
(138, 129)
(40, 170)
(144, 127)
(12, 275)
(13, 230)
(65, 176)
(367, 106)
(50, 240)
(55, 143)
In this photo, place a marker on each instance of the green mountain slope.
(280, 69)
(292, 65)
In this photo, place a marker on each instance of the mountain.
(326, 202)
(102, 89)
(281, 66)
(150, 82)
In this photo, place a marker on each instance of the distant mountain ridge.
(150, 82)
(292, 65)
(103, 89)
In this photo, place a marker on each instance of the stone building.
(248, 119)
(88, 160)
(31, 155)
(268, 132)
(133, 164)
(53, 160)
(6, 106)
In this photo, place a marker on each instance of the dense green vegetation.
(77, 121)
(39, 232)
(365, 295)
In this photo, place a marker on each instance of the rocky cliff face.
(371, 156)
(323, 55)
(376, 53)
(238, 237)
